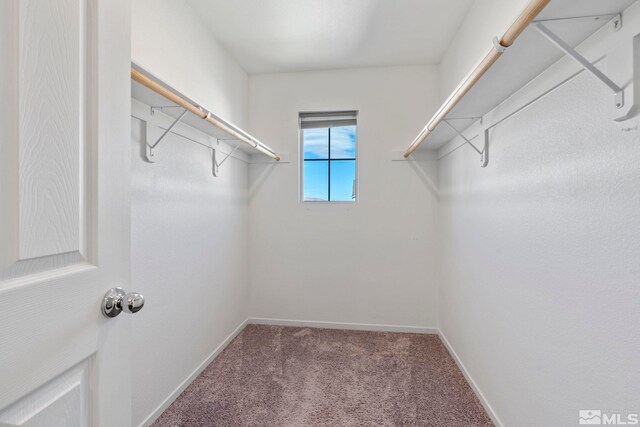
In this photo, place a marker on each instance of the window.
(328, 156)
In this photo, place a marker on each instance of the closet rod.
(203, 114)
(528, 14)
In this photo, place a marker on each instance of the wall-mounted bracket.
(484, 159)
(484, 153)
(617, 22)
(216, 164)
(150, 149)
(616, 19)
(618, 92)
(215, 167)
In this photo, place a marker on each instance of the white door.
(64, 212)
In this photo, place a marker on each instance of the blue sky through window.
(329, 164)
(342, 175)
(316, 175)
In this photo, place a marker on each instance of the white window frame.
(301, 158)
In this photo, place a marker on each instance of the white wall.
(540, 295)
(169, 40)
(372, 262)
(189, 229)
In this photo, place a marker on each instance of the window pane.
(316, 143)
(343, 142)
(316, 181)
(343, 175)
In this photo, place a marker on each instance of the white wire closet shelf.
(151, 91)
(546, 31)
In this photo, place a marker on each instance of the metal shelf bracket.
(215, 152)
(215, 166)
(618, 92)
(484, 153)
(616, 19)
(150, 149)
(484, 158)
(214, 159)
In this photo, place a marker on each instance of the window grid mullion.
(333, 160)
(329, 164)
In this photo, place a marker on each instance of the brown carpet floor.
(283, 376)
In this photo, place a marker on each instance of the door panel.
(51, 76)
(62, 402)
(48, 43)
(64, 211)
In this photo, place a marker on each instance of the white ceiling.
(299, 35)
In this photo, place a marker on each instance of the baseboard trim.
(184, 384)
(339, 325)
(470, 381)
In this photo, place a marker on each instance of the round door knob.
(116, 300)
(132, 303)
